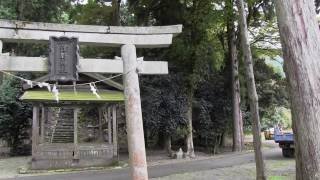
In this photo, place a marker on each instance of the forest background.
(198, 90)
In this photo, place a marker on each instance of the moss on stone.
(41, 95)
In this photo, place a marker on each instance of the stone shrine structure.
(47, 150)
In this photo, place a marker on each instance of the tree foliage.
(35, 10)
(15, 116)
(197, 59)
(92, 13)
(164, 105)
(213, 117)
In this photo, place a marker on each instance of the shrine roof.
(71, 96)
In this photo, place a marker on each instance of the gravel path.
(233, 166)
(276, 170)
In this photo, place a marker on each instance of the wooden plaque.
(63, 59)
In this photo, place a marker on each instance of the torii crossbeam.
(127, 38)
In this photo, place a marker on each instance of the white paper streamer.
(139, 64)
(94, 90)
(44, 84)
(47, 85)
(74, 87)
(29, 83)
(55, 91)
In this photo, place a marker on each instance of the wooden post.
(114, 129)
(43, 118)
(75, 133)
(1, 46)
(137, 152)
(1, 74)
(109, 125)
(100, 125)
(35, 130)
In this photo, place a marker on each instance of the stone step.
(66, 119)
(64, 128)
(64, 131)
(60, 125)
(57, 132)
(65, 123)
(63, 136)
(62, 141)
(68, 138)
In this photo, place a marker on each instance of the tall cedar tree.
(300, 39)
(252, 92)
(238, 139)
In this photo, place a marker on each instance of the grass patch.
(278, 178)
(276, 164)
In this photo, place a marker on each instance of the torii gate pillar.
(137, 152)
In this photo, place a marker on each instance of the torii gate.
(127, 38)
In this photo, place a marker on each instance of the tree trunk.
(300, 38)
(235, 87)
(160, 140)
(241, 127)
(164, 142)
(167, 144)
(19, 10)
(189, 138)
(252, 93)
(116, 12)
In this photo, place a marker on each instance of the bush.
(15, 117)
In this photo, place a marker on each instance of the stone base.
(68, 163)
(61, 156)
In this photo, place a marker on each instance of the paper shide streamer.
(94, 90)
(29, 82)
(55, 91)
(44, 84)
